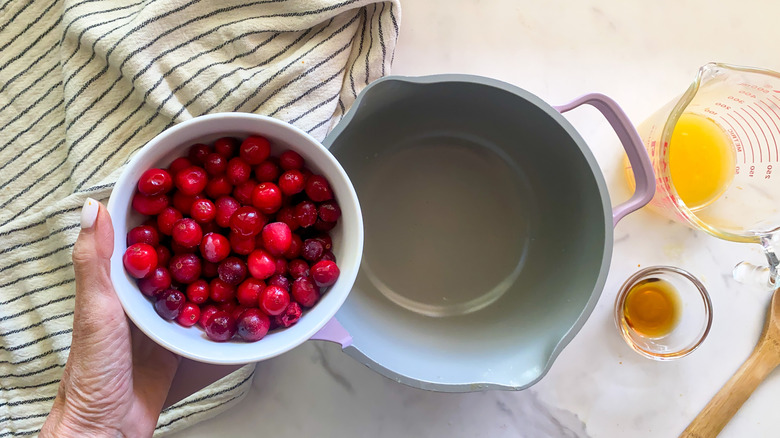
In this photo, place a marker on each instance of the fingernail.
(89, 213)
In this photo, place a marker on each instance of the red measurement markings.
(760, 153)
(766, 139)
(735, 136)
(775, 98)
(769, 128)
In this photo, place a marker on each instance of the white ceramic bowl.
(174, 142)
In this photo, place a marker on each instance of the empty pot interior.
(485, 232)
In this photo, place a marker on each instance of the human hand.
(116, 379)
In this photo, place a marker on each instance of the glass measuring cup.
(737, 194)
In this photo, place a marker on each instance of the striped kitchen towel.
(85, 83)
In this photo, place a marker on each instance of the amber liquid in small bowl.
(652, 307)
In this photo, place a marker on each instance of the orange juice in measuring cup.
(716, 155)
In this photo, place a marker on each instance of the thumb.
(93, 249)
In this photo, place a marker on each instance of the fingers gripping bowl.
(174, 142)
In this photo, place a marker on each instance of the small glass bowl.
(695, 315)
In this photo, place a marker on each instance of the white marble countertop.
(641, 54)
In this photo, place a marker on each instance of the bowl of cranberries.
(236, 238)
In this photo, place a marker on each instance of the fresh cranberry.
(291, 182)
(150, 205)
(215, 164)
(253, 325)
(247, 221)
(318, 189)
(326, 240)
(228, 306)
(226, 146)
(214, 247)
(232, 271)
(290, 316)
(296, 245)
(184, 268)
(273, 300)
(325, 273)
(279, 280)
(155, 182)
(328, 255)
(242, 245)
(306, 214)
(192, 180)
(277, 238)
(323, 226)
(290, 160)
(189, 315)
(140, 259)
(203, 210)
(163, 255)
(312, 250)
(220, 326)
(236, 313)
(305, 292)
(219, 291)
(184, 202)
(143, 234)
(166, 219)
(261, 264)
(248, 292)
(218, 186)
(287, 215)
(238, 171)
(281, 266)
(155, 282)
(178, 248)
(178, 165)
(255, 149)
(169, 304)
(198, 291)
(206, 312)
(298, 268)
(198, 153)
(209, 269)
(329, 211)
(243, 192)
(267, 198)
(187, 232)
(267, 171)
(226, 206)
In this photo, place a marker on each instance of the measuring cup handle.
(333, 331)
(635, 149)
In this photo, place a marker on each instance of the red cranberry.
(306, 214)
(247, 221)
(261, 265)
(150, 205)
(242, 245)
(287, 215)
(328, 255)
(163, 255)
(215, 164)
(189, 315)
(226, 206)
(255, 149)
(248, 292)
(318, 189)
(178, 165)
(279, 280)
(220, 326)
(312, 250)
(253, 325)
(238, 171)
(198, 291)
(209, 269)
(203, 210)
(181, 249)
(267, 171)
(157, 281)
(236, 313)
(323, 226)
(210, 227)
(192, 180)
(277, 238)
(326, 240)
(305, 292)
(184, 268)
(206, 312)
(296, 245)
(329, 211)
(243, 192)
(226, 146)
(143, 234)
(298, 268)
(214, 247)
(140, 259)
(228, 306)
(218, 186)
(220, 292)
(292, 182)
(184, 202)
(290, 160)
(166, 219)
(267, 198)
(290, 316)
(281, 266)
(198, 153)
(273, 300)
(155, 182)
(232, 271)
(325, 273)
(187, 232)
(169, 304)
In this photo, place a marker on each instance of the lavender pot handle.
(333, 331)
